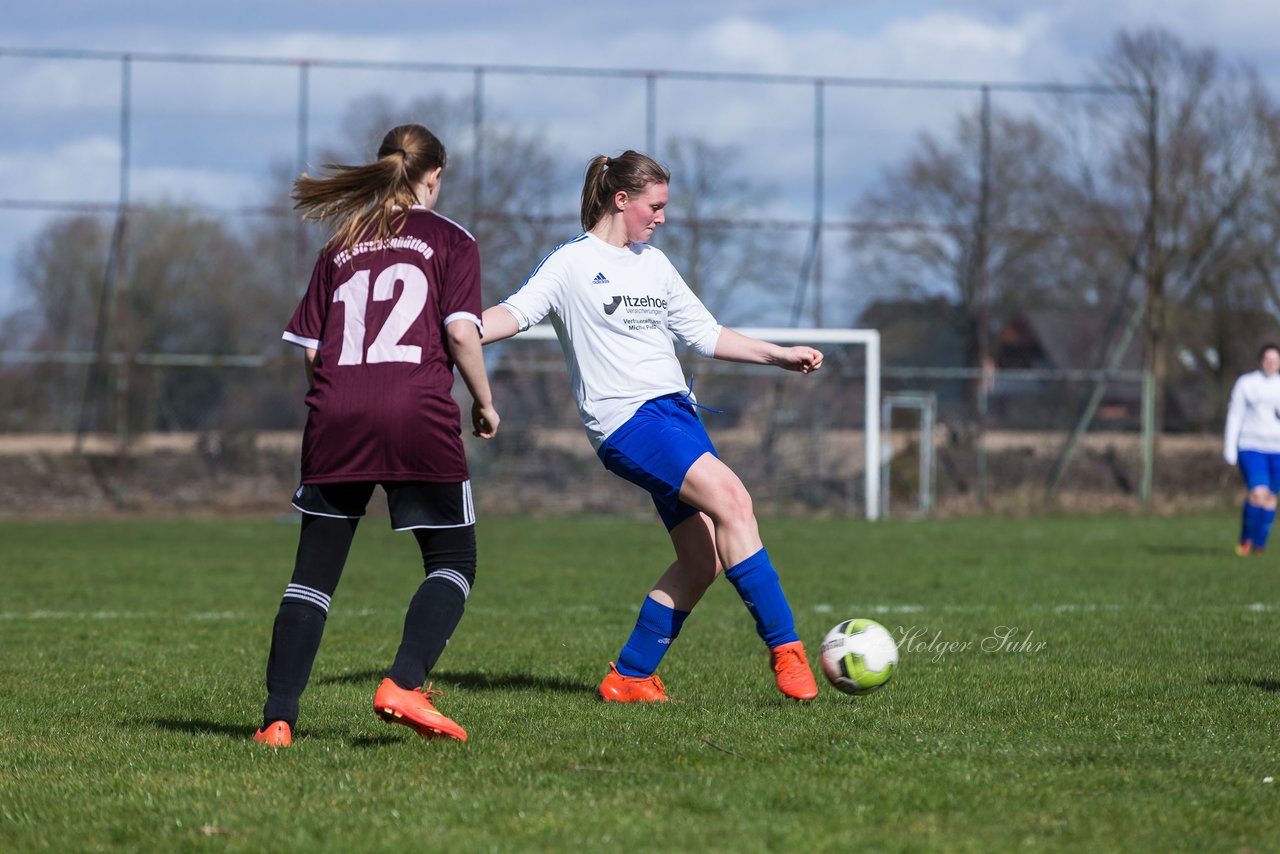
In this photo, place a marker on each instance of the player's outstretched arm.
(464, 345)
(733, 346)
(499, 324)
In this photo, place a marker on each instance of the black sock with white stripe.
(449, 556)
(433, 614)
(295, 637)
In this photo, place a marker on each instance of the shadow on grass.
(471, 681)
(238, 732)
(242, 732)
(1270, 685)
(194, 727)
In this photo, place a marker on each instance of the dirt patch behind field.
(555, 472)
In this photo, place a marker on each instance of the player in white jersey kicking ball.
(1252, 441)
(614, 300)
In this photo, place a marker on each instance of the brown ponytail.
(629, 172)
(361, 202)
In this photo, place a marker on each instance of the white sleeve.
(540, 295)
(1235, 419)
(689, 319)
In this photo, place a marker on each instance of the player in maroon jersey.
(393, 306)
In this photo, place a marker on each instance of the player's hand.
(484, 421)
(806, 360)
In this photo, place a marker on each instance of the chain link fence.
(152, 261)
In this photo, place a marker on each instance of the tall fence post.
(819, 192)
(1152, 398)
(300, 164)
(651, 114)
(477, 142)
(1148, 437)
(981, 295)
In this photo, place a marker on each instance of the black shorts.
(413, 504)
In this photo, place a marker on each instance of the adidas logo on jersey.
(599, 279)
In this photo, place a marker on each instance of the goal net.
(802, 444)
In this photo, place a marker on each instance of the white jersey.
(614, 311)
(1253, 418)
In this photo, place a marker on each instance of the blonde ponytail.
(369, 202)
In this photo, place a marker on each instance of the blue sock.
(1250, 521)
(656, 627)
(757, 583)
(1263, 527)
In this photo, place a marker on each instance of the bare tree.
(188, 284)
(939, 230)
(61, 270)
(1193, 167)
(1264, 263)
(1180, 198)
(737, 272)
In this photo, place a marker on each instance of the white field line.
(1064, 608)
(821, 608)
(32, 616)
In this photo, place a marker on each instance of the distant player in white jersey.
(614, 302)
(1252, 441)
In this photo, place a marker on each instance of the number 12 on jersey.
(386, 347)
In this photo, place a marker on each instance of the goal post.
(868, 339)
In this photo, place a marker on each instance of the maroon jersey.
(381, 406)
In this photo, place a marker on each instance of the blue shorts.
(655, 449)
(1260, 469)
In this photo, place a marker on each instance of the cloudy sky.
(212, 132)
(1006, 39)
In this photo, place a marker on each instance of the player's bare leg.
(668, 603)
(713, 488)
(696, 566)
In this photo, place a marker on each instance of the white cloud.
(741, 43)
(49, 84)
(77, 170)
(952, 46)
(1079, 31)
(197, 186)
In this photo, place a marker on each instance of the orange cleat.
(1244, 548)
(414, 709)
(275, 735)
(617, 688)
(791, 671)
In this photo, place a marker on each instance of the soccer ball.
(858, 656)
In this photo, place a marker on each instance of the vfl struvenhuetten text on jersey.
(381, 406)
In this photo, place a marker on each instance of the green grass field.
(1135, 704)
